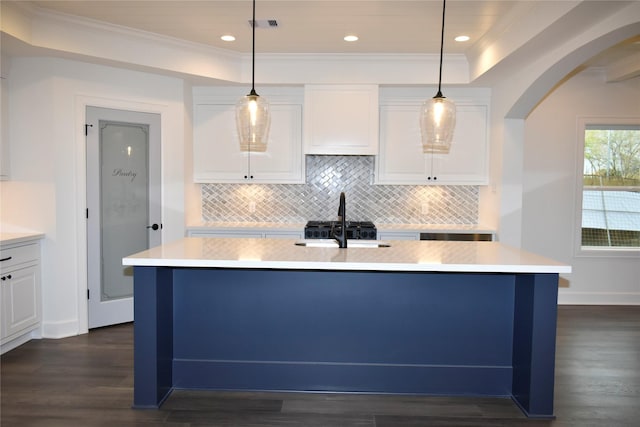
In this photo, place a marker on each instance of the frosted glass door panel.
(124, 159)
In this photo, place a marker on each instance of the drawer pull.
(6, 259)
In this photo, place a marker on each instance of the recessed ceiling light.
(462, 38)
(350, 38)
(228, 38)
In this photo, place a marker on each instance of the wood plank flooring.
(87, 381)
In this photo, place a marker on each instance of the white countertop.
(11, 238)
(436, 256)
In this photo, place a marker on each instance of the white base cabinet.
(20, 299)
(398, 235)
(401, 160)
(251, 232)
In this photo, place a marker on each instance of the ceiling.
(319, 26)
(304, 26)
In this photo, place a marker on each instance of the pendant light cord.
(439, 94)
(253, 51)
(253, 76)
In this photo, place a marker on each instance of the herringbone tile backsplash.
(318, 198)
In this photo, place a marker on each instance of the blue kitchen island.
(418, 317)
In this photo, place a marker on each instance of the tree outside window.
(611, 186)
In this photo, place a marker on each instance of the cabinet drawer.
(18, 255)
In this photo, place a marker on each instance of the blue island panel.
(343, 331)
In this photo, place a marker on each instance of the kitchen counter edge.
(407, 256)
(13, 238)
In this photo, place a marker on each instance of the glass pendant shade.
(438, 114)
(252, 121)
(437, 122)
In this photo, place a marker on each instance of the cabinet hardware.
(6, 259)
(7, 277)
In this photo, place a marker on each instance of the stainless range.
(355, 230)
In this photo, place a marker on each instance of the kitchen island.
(418, 317)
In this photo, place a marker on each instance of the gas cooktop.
(355, 229)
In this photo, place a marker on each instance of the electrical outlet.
(425, 208)
(252, 207)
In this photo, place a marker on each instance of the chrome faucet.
(341, 236)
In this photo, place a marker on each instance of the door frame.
(118, 310)
(81, 104)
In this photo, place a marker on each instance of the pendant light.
(252, 111)
(438, 114)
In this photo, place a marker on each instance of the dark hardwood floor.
(87, 381)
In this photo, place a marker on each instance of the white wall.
(47, 98)
(551, 171)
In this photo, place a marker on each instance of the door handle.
(154, 226)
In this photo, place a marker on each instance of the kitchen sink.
(331, 243)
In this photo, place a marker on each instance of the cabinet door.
(284, 234)
(283, 160)
(216, 151)
(341, 119)
(467, 161)
(401, 160)
(20, 300)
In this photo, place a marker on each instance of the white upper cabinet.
(401, 160)
(216, 150)
(341, 119)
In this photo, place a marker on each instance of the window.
(611, 186)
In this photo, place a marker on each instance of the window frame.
(596, 251)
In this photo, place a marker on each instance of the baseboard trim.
(598, 298)
(18, 341)
(63, 329)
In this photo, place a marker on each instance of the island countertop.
(425, 256)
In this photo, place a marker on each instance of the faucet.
(341, 237)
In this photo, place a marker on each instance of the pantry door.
(123, 206)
